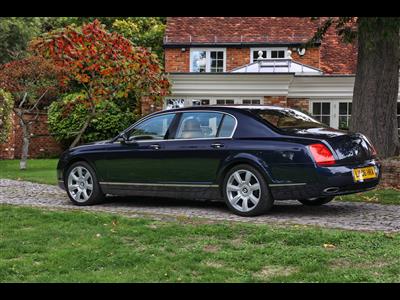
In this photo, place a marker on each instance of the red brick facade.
(332, 56)
(42, 143)
(301, 104)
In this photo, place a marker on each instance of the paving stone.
(345, 215)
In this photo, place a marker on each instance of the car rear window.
(287, 119)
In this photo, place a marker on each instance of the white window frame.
(269, 49)
(188, 100)
(334, 109)
(208, 58)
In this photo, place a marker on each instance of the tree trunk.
(377, 84)
(81, 131)
(26, 138)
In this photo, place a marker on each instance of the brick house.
(260, 60)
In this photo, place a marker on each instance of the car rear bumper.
(332, 181)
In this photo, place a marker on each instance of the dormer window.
(207, 60)
(271, 53)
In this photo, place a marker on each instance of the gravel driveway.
(345, 215)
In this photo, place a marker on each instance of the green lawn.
(44, 171)
(64, 246)
(381, 196)
(39, 170)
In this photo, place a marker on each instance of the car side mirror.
(128, 141)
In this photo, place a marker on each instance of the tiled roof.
(239, 29)
(335, 56)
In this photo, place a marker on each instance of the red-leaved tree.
(105, 65)
(34, 83)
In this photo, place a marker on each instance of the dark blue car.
(248, 156)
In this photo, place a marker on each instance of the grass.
(380, 196)
(64, 246)
(44, 171)
(39, 170)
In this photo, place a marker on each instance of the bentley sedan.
(247, 156)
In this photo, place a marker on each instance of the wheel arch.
(244, 158)
(74, 160)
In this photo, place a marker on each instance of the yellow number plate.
(364, 173)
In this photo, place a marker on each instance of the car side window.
(195, 125)
(227, 126)
(152, 129)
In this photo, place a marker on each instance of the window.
(271, 53)
(196, 125)
(251, 101)
(344, 115)
(227, 126)
(287, 119)
(321, 111)
(225, 101)
(152, 129)
(201, 102)
(175, 103)
(207, 60)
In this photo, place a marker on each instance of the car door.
(140, 160)
(200, 143)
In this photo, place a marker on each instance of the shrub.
(6, 106)
(107, 124)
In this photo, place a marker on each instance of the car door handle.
(217, 145)
(155, 146)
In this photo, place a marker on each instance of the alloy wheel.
(80, 184)
(243, 190)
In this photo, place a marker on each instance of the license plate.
(361, 174)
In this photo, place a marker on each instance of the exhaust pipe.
(331, 190)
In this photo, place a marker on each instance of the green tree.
(376, 84)
(6, 106)
(15, 33)
(105, 65)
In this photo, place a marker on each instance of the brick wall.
(390, 173)
(301, 104)
(311, 57)
(42, 144)
(237, 57)
(176, 60)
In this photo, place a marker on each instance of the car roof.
(224, 108)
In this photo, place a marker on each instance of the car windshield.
(287, 119)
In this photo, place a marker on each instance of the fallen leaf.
(329, 246)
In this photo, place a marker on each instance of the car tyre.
(246, 192)
(82, 185)
(317, 201)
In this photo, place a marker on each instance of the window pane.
(325, 120)
(255, 101)
(246, 101)
(199, 61)
(281, 54)
(316, 108)
(274, 54)
(227, 126)
(349, 108)
(198, 125)
(342, 108)
(230, 101)
(343, 123)
(326, 108)
(220, 55)
(220, 101)
(152, 129)
(255, 55)
(213, 54)
(220, 64)
(205, 102)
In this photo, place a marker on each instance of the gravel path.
(345, 215)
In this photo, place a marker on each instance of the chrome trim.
(184, 111)
(158, 184)
(286, 184)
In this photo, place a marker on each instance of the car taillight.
(322, 155)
